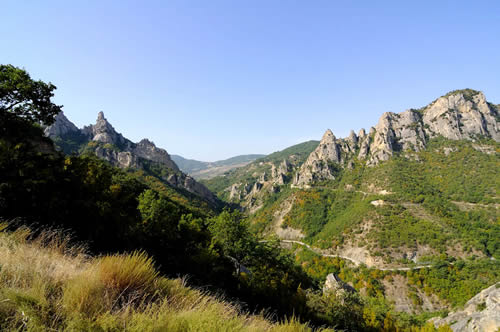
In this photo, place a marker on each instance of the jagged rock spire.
(328, 136)
(316, 166)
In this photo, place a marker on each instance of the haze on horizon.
(209, 80)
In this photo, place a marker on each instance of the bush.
(112, 282)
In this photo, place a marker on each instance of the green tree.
(26, 98)
(230, 232)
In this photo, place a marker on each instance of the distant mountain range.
(207, 170)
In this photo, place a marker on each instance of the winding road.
(355, 261)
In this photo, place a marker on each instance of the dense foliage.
(24, 97)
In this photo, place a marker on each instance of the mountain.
(419, 190)
(207, 170)
(432, 168)
(459, 115)
(105, 142)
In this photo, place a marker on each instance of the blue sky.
(213, 79)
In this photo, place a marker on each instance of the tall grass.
(45, 284)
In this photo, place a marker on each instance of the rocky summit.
(461, 114)
(108, 144)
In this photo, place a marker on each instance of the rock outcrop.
(318, 164)
(148, 150)
(121, 152)
(102, 131)
(462, 114)
(480, 314)
(61, 126)
(186, 182)
(334, 284)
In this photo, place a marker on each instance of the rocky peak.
(126, 154)
(146, 142)
(328, 137)
(461, 114)
(102, 131)
(61, 127)
(317, 165)
(148, 150)
(352, 137)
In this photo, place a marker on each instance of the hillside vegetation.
(45, 284)
(422, 203)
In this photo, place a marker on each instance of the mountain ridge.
(206, 169)
(344, 198)
(460, 114)
(105, 142)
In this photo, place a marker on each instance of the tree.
(26, 98)
(230, 231)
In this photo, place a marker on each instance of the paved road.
(355, 261)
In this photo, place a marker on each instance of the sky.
(212, 79)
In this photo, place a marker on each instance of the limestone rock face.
(61, 126)
(148, 150)
(117, 158)
(352, 140)
(463, 114)
(125, 154)
(480, 314)
(397, 132)
(364, 144)
(317, 166)
(279, 174)
(102, 131)
(181, 180)
(334, 284)
(234, 193)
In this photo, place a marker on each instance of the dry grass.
(45, 284)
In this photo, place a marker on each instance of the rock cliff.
(121, 152)
(318, 165)
(62, 126)
(461, 114)
(480, 314)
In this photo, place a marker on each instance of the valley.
(390, 230)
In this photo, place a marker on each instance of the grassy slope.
(47, 285)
